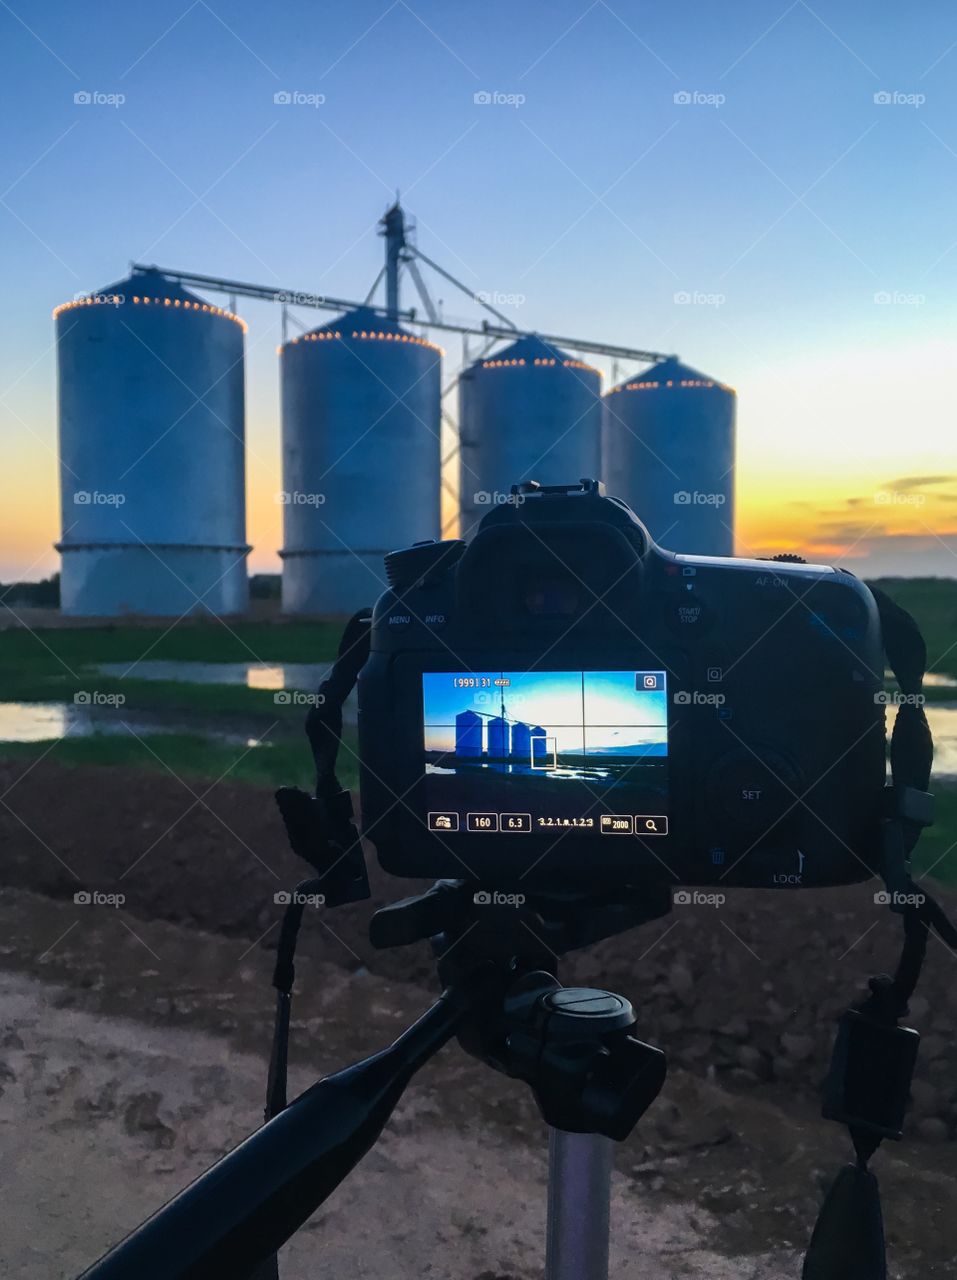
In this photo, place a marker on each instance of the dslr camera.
(562, 704)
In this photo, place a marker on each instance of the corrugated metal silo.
(532, 412)
(360, 422)
(521, 742)
(499, 737)
(668, 451)
(468, 734)
(152, 465)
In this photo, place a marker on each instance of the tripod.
(590, 1077)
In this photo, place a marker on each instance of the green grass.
(149, 695)
(933, 603)
(210, 641)
(936, 851)
(192, 757)
(53, 664)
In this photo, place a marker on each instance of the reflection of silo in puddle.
(521, 743)
(468, 734)
(498, 738)
(541, 756)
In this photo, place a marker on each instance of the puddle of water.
(942, 718)
(292, 677)
(40, 721)
(254, 675)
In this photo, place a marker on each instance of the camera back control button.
(755, 787)
(399, 621)
(684, 612)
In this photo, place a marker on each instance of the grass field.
(933, 602)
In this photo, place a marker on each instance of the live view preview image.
(518, 751)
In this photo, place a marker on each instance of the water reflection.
(254, 675)
(43, 721)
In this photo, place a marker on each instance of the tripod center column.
(579, 1191)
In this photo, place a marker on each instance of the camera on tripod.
(564, 722)
(563, 703)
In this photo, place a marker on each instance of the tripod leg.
(579, 1191)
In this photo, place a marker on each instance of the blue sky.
(608, 703)
(767, 189)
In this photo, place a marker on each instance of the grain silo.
(360, 424)
(499, 738)
(532, 412)
(521, 742)
(668, 451)
(468, 734)
(152, 466)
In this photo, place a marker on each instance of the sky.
(600, 708)
(766, 189)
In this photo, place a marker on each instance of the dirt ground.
(134, 1038)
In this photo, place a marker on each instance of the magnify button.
(655, 824)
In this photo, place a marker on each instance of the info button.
(617, 824)
(443, 822)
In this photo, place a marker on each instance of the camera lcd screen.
(517, 752)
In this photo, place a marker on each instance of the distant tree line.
(41, 595)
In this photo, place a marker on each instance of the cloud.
(906, 484)
(847, 531)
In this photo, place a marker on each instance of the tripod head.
(571, 1046)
